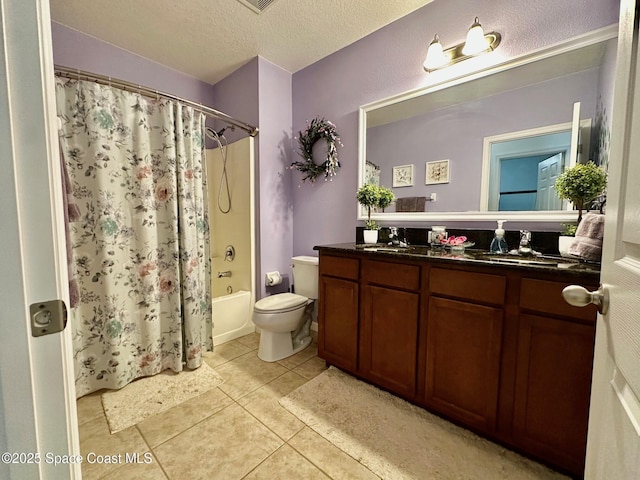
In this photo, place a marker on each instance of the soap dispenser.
(499, 244)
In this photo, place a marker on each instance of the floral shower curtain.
(141, 244)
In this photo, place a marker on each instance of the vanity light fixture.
(477, 42)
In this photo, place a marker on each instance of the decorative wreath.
(318, 128)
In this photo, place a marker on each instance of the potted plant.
(566, 238)
(385, 197)
(581, 184)
(370, 196)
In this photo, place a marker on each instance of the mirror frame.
(562, 216)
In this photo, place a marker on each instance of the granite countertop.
(476, 257)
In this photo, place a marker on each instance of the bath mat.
(151, 395)
(397, 440)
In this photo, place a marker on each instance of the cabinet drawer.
(343, 267)
(546, 297)
(399, 275)
(481, 287)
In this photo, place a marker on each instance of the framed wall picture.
(403, 176)
(437, 172)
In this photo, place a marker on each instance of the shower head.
(220, 132)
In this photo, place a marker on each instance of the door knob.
(579, 296)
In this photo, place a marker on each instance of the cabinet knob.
(579, 296)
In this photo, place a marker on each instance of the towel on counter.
(588, 241)
(411, 204)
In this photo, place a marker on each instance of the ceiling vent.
(258, 6)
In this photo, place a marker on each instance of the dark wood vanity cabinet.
(390, 314)
(464, 344)
(494, 349)
(553, 375)
(338, 301)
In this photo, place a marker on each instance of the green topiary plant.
(369, 196)
(581, 184)
(386, 196)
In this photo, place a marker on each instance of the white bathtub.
(232, 316)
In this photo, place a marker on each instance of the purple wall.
(457, 133)
(237, 95)
(388, 62)
(260, 93)
(75, 49)
(275, 138)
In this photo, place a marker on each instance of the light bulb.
(435, 56)
(476, 41)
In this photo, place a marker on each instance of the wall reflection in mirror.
(503, 137)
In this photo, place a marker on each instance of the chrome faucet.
(224, 274)
(525, 243)
(394, 238)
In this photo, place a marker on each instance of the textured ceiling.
(209, 39)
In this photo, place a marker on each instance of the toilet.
(285, 319)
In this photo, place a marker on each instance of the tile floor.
(235, 431)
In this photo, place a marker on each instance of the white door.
(37, 397)
(548, 171)
(613, 447)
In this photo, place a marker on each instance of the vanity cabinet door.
(389, 338)
(464, 342)
(553, 384)
(338, 322)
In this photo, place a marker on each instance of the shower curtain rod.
(76, 74)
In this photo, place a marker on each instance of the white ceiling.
(209, 39)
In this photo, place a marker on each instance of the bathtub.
(232, 316)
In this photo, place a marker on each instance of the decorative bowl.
(460, 247)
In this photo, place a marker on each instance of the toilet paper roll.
(272, 278)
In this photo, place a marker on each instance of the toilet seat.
(280, 303)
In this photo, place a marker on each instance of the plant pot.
(370, 236)
(564, 242)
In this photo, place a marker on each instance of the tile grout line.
(153, 453)
(267, 458)
(197, 423)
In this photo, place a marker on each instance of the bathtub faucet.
(224, 274)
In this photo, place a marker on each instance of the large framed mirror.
(488, 146)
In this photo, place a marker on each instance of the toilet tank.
(305, 276)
